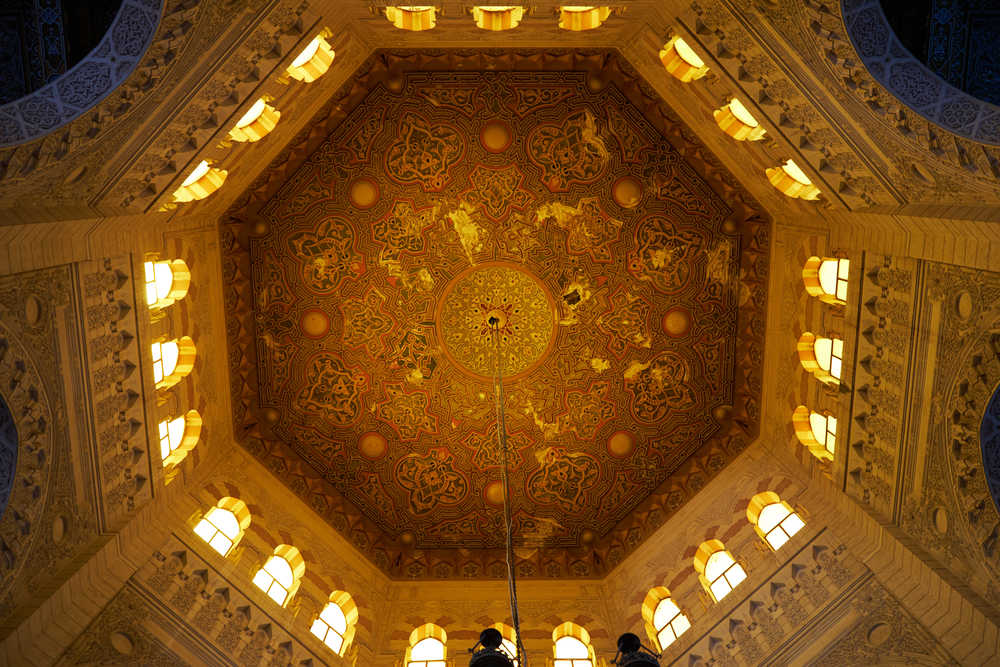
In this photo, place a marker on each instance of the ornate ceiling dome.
(629, 292)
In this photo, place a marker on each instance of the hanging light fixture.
(497, 17)
(792, 181)
(412, 17)
(256, 123)
(200, 183)
(491, 651)
(632, 653)
(681, 61)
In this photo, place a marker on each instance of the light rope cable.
(494, 323)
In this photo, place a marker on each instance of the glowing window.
(166, 282)
(412, 17)
(279, 578)
(773, 519)
(826, 279)
(717, 570)
(681, 61)
(497, 17)
(792, 181)
(312, 62)
(223, 526)
(822, 356)
(335, 624)
(172, 361)
(816, 431)
(572, 646)
(203, 180)
(178, 437)
(582, 17)
(669, 622)
(571, 652)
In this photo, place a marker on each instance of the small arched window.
(166, 283)
(427, 647)
(281, 574)
(172, 361)
(582, 17)
(664, 620)
(335, 624)
(717, 570)
(821, 356)
(773, 519)
(816, 431)
(572, 646)
(178, 437)
(223, 526)
(826, 279)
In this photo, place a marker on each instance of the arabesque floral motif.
(424, 153)
(563, 478)
(569, 153)
(331, 390)
(665, 255)
(326, 254)
(661, 387)
(431, 480)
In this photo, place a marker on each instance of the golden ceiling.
(555, 193)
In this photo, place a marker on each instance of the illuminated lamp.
(201, 182)
(313, 61)
(736, 121)
(497, 18)
(256, 123)
(681, 61)
(580, 17)
(412, 17)
(792, 181)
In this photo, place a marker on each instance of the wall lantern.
(256, 123)
(203, 181)
(412, 17)
(580, 17)
(496, 18)
(737, 122)
(313, 61)
(681, 60)
(792, 181)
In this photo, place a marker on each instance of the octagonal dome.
(552, 195)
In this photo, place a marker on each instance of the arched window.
(582, 17)
(178, 437)
(816, 431)
(664, 620)
(335, 624)
(412, 17)
(427, 647)
(773, 519)
(821, 356)
(572, 646)
(717, 570)
(281, 574)
(172, 361)
(223, 526)
(826, 278)
(166, 283)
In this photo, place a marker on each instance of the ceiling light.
(497, 18)
(313, 61)
(735, 120)
(792, 181)
(631, 652)
(200, 183)
(681, 60)
(581, 17)
(256, 123)
(412, 17)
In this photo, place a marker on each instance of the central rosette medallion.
(522, 307)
